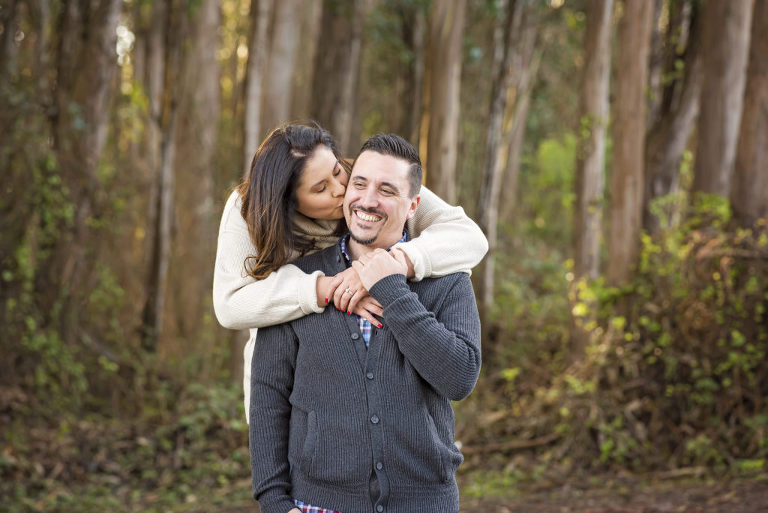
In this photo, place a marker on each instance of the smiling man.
(349, 417)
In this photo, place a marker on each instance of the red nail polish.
(381, 326)
(349, 313)
(326, 300)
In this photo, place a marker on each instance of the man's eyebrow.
(390, 185)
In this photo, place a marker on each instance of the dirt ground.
(631, 497)
(620, 496)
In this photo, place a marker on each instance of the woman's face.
(322, 186)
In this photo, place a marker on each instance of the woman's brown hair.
(268, 195)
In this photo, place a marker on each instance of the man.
(348, 417)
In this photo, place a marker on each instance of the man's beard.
(366, 242)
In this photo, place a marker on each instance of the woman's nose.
(339, 189)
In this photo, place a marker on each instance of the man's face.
(378, 202)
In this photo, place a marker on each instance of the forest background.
(614, 152)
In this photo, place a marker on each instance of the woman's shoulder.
(231, 216)
(234, 200)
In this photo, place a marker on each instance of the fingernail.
(326, 300)
(349, 313)
(380, 325)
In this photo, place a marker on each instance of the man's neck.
(356, 250)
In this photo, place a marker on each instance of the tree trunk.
(726, 46)
(749, 197)
(415, 99)
(446, 30)
(154, 73)
(261, 13)
(283, 53)
(629, 139)
(591, 150)
(337, 71)
(506, 29)
(86, 66)
(154, 307)
(310, 30)
(656, 59)
(8, 47)
(196, 136)
(672, 127)
(515, 132)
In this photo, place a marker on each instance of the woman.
(289, 205)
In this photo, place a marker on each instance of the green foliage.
(191, 439)
(672, 370)
(692, 340)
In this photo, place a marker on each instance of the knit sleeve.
(240, 301)
(444, 346)
(269, 418)
(444, 239)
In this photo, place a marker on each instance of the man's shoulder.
(444, 282)
(433, 291)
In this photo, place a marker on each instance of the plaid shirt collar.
(344, 242)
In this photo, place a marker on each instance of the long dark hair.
(269, 194)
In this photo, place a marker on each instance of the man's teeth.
(367, 217)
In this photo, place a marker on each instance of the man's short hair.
(396, 146)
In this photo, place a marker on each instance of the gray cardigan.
(326, 413)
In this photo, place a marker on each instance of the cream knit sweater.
(444, 241)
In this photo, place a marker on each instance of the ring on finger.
(350, 292)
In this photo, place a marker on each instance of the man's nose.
(369, 197)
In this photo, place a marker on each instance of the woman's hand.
(356, 300)
(347, 290)
(368, 308)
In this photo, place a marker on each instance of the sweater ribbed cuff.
(275, 505)
(389, 289)
(308, 293)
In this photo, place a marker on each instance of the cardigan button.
(355, 336)
(379, 508)
(369, 375)
(379, 466)
(375, 419)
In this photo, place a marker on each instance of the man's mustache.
(355, 206)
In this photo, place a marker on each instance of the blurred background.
(614, 152)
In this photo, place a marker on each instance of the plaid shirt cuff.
(308, 508)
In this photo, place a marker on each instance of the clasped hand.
(348, 290)
(379, 264)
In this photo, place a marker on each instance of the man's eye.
(359, 185)
(388, 192)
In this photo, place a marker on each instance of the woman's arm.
(443, 239)
(240, 301)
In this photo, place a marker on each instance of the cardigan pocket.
(336, 453)
(418, 454)
(310, 441)
(303, 438)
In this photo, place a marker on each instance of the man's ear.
(414, 205)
